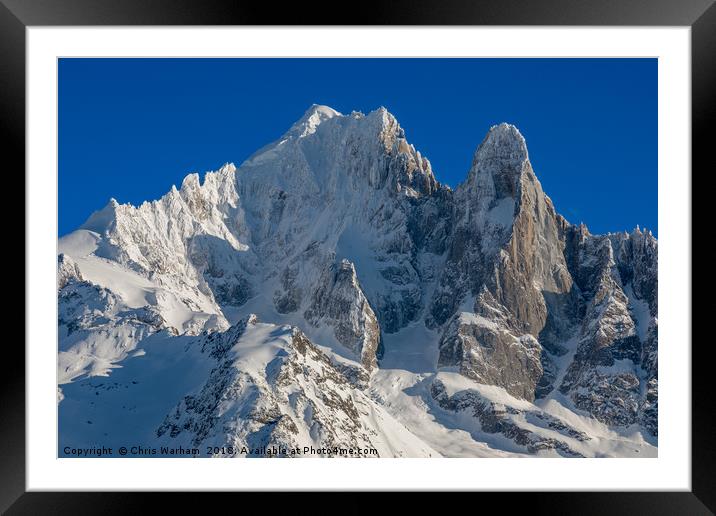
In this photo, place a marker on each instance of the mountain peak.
(503, 141)
(311, 119)
(190, 182)
(102, 219)
(498, 163)
(383, 117)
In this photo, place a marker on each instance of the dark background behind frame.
(15, 15)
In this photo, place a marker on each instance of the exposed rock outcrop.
(339, 302)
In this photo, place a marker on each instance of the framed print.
(443, 242)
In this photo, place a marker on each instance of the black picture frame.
(700, 15)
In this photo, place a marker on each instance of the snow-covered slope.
(254, 390)
(395, 314)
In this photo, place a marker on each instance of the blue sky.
(130, 128)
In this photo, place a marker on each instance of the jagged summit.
(222, 176)
(318, 114)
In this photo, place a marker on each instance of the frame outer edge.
(12, 134)
(12, 130)
(371, 12)
(703, 113)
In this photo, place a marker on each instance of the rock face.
(490, 354)
(340, 229)
(614, 372)
(339, 302)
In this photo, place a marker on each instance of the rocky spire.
(499, 161)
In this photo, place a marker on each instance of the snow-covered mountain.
(331, 293)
